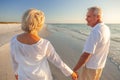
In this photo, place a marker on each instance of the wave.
(116, 39)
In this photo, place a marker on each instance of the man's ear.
(98, 16)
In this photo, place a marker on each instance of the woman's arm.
(13, 61)
(57, 61)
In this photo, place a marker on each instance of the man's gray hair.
(96, 10)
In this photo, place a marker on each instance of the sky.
(59, 11)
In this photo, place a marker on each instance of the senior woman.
(30, 52)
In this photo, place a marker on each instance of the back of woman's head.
(33, 19)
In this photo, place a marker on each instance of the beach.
(67, 43)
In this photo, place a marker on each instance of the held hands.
(16, 76)
(74, 76)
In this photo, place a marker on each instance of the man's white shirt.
(97, 45)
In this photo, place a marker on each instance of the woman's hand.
(74, 76)
(16, 76)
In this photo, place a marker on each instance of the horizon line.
(3, 22)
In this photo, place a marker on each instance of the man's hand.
(16, 76)
(74, 76)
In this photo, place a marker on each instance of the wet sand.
(68, 48)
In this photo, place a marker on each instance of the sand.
(68, 48)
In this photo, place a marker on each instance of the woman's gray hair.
(32, 19)
(96, 10)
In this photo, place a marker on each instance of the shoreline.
(68, 47)
(110, 72)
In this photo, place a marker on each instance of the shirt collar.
(97, 25)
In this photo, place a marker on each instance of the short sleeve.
(91, 42)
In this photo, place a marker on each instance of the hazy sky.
(64, 11)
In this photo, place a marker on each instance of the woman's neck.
(35, 33)
(29, 38)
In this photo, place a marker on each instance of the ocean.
(81, 32)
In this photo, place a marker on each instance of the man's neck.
(97, 23)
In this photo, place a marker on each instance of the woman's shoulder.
(13, 40)
(45, 40)
(14, 37)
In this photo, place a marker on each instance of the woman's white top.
(30, 61)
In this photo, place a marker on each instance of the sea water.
(81, 32)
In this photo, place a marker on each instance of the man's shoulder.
(100, 26)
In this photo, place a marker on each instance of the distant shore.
(9, 22)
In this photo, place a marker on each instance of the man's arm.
(83, 59)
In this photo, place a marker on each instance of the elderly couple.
(30, 52)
